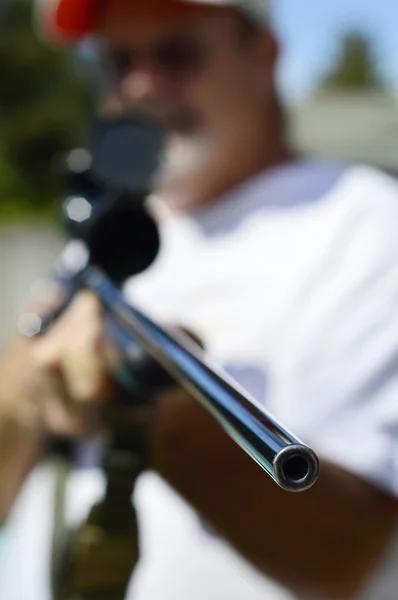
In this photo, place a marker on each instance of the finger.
(73, 348)
(85, 366)
(80, 321)
(86, 376)
(82, 423)
(64, 416)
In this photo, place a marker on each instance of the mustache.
(171, 117)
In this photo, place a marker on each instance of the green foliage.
(43, 109)
(356, 68)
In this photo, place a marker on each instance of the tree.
(43, 110)
(356, 67)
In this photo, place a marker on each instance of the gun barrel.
(292, 464)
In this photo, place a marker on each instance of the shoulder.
(369, 204)
(327, 198)
(356, 225)
(317, 180)
(351, 203)
(318, 184)
(373, 188)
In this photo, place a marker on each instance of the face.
(194, 68)
(203, 73)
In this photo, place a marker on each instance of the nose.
(145, 83)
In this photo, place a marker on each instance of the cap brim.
(68, 21)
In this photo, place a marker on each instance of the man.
(288, 271)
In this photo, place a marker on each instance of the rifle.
(116, 237)
(110, 228)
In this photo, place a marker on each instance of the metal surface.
(285, 458)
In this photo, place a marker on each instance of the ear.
(267, 52)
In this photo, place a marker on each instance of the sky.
(310, 30)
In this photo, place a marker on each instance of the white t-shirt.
(292, 283)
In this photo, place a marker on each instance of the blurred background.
(338, 75)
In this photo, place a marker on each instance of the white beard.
(183, 158)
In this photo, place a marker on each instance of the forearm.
(20, 449)
(325, 540)
(21, 434)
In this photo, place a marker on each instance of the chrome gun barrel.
(292, 464)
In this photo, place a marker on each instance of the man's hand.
(62, 382)
(55, 384)
(71, 361)
(325, 542)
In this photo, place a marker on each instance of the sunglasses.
(174, 57)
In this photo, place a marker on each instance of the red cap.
(66, 21)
